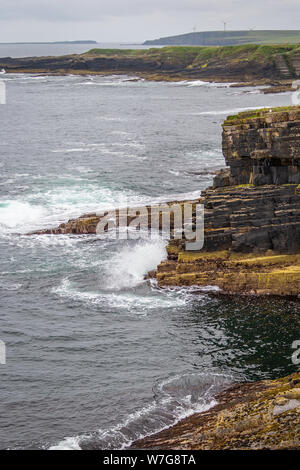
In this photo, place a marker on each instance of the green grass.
(256, 114)
(114, 52)
(202, 52)
(221, 38)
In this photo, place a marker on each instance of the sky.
(137, 20)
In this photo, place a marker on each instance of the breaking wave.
(174, 399)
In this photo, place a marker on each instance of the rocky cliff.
(262, 148)
(252, 212)
(263, 415)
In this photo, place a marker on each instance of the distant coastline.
(228, 38)
(52, 42)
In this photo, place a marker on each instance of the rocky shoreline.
(252, 416)
(249, 65)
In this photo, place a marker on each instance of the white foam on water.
(131, 302)
(10, 286)
(111, 81)
(201, 83)
(15, 215)
(80, 149)
(71, 197)
(66, 199)
(69, 443)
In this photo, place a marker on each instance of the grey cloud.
(137, 20)
(91, 10)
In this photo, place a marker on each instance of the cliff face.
(252, 213)
(262, 148)
(263, 415)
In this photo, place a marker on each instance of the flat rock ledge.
(253, 416)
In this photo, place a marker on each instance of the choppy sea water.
(96, 356)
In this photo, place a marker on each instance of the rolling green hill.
(229, 38)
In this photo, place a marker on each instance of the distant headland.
(54, 42)
(229, 38)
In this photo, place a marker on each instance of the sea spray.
(128, 266)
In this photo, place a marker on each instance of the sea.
(97, 356)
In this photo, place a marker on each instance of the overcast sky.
(137, 20)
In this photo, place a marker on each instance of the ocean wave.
(50, 207)
(201, 83)
(77, 196)
(10, 286)
(130, 301)
(79, 149)
(16, 214)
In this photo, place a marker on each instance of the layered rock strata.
(252, 212)
(262, 148)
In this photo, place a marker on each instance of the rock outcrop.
(263, 415)
(252, 212)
